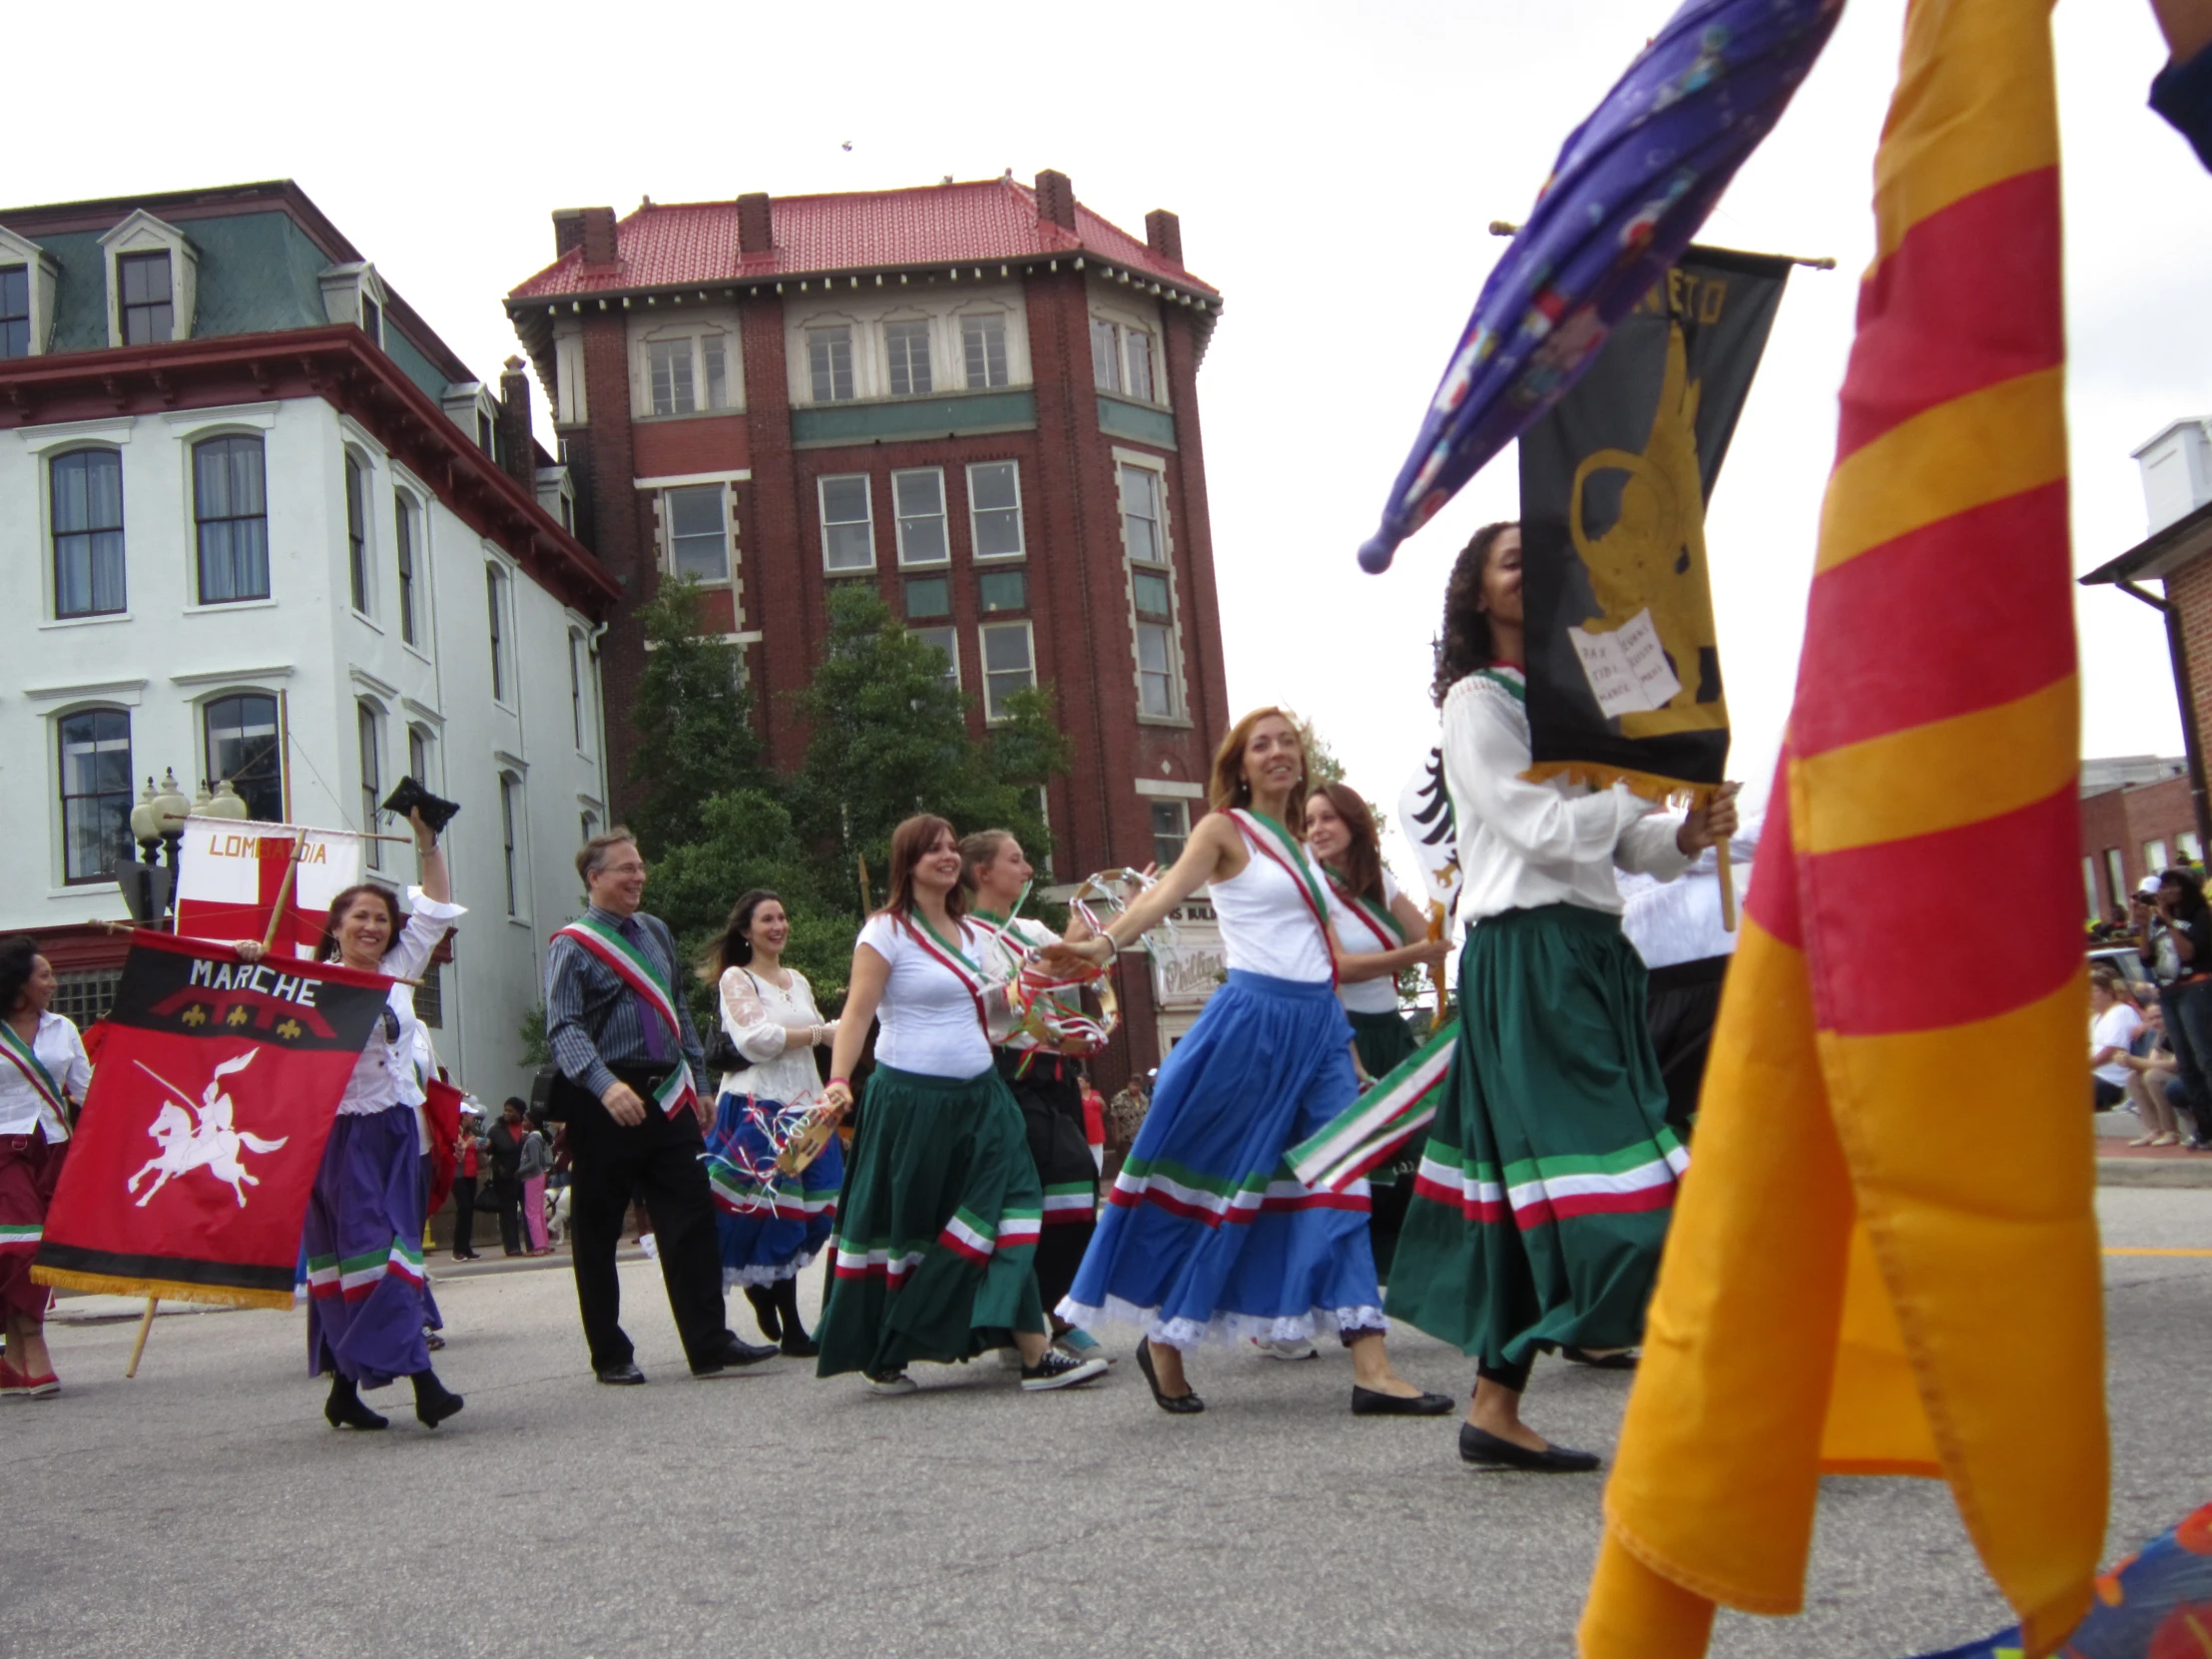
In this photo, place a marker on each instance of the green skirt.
(1549, 1175)
(1381, 1041)
(938, 1223)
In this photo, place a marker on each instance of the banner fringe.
(1663, 792)
(161, 1290)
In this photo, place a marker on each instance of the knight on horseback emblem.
(214, 1144)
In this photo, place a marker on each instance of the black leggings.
(1505, 1376)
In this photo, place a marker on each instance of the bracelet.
(839, 1083)
(1113, 947)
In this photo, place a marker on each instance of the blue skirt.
(363, 1240)
(1206, 1234)
(769, 1226)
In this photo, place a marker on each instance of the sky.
(1335, 167)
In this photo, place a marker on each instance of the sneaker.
(41, 1388)
(1286, 1348)
(13, 1384)
(1079, 1343)
(1059, 1371)
(898, 1382)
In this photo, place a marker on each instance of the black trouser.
(1045, 1087)
(1683, 1002)
(657, 1161)
(464, 1215)
(506, 1193)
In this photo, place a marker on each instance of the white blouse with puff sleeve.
(756, 1012)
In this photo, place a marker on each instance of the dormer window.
(471, 407)
(152, 281)
(149, 298)
(27, 275)
(354, 294)
(15, 311)
(372, 320)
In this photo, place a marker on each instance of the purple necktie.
(649, 1017)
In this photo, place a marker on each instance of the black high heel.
(764, 1311)
(433, 1400)
(1183, 1405)
(344, 1409)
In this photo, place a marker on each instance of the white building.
(257, 523)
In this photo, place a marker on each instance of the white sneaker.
(901, 1384)
(1286, 1348)
(1059, 1371)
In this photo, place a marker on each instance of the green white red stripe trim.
(858, 1261)
(1539, 1192)
(634, 969)
(356, 1277)
(1377, 1126)
(1212, 1201)
(739, 1197)
(20, 1237)
(1380, 921)
(1070, 1203)
(24, 1059)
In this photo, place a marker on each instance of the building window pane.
(508, 809)
(2186, 844)
(1003, 590)
(2115, 876)
(928, 596)
(357, 531)
(1105, 358)
(87, 500)
(909, 344)
(149, 315)
(403, 526)
(1137, 351)
(994, 509)
(242, 745)
(1140, 515)
(495, 604)
(1171, 827)
(418, 757)
(947, 642)
(829, 363)
(1155, 670)
(231, 514)
(369, 729)
(983, 344)
(848, 532)
(15, 311)
(919, 499)
(717, 367)
(1008, 665)
(1151, 596)
(697, 533)
(576, 687)
(372, 320)
(96, 792)
(672, 376)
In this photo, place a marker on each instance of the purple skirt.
(365, 1294)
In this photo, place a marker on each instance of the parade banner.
(189, 1174)
(233, 873)
(1624, 671)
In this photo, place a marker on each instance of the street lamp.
(156, 823)
(225, 803)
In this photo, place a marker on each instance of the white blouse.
(1267, 921)
(1356, 938)
(62, 1052)
(931, 1025)
(756, 1011)
(1000, 957)
(1522, 844)
(384, 1076)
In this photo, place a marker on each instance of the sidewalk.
(2121, 1165)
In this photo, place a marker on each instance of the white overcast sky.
(1335, 168)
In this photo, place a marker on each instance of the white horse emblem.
(213, 1144)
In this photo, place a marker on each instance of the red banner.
(204, 1124)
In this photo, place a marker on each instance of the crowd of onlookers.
(2150, 1029)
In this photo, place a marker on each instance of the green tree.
(694, 721)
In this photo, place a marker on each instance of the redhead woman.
(42, 1072)
(1206, 1235)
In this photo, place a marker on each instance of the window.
(356, 530)
(1140, 516)
(994, 509)
(698, 532)
(1002, 590)
(671, 362)
(1121, 359)
(230, 509)
(829, 363)
(1171, 827)
(919, 500)
(909, 345)
(368, 727)
(1009, 665)
(418, 757)
(2089, 887)
(946, 641)
(578, 671)
(2115, 876)
(983, 344)
(96, 792)
(15, 311)
(495, 602)
(429, 996)
(588, 823)
(928, 596)
(1136, 352)
(848, 530)
(373, 318)
(1155, 670)
(509, 806)
(2186, 844)
(2154, 857)
(148, 301)
(242, 745)
(1105, 357)
(86, 489)
(403, 526)
(487, 435)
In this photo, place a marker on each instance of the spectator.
(532, 1167)
(2187, 998)
(2113, 1025)
(468, 1150)
(2153, 1088)
(505, 1145)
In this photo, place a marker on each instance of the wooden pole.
(146, 1324)
(284, 894)
(1728, 886)
(1436, 974)
(867, 906)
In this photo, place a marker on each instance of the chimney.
(756, 225)
(1163, 234)
(568, 230)
(1055, 198)
(519, 452)
(599, 235)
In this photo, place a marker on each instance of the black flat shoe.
(798, 1345)
(765, 1311)
(1622, 1360)
(433, 1400)
(1182, 1404)
(1373, 1403)
(344, 1409)
(1488, 1452)
(623, 1375)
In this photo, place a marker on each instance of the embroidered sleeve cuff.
(420, 903)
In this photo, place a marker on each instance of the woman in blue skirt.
(1206, 1233)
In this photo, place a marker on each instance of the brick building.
(980, 397)
(2137, 818)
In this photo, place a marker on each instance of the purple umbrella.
(1629, 191)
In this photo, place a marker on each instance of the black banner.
(1624, 672)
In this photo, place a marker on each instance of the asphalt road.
(205, 1508)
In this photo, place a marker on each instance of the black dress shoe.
(623, 1375)
(734, 1352)
(1488, 1452)
(1182, 1404)
(1620, 1359)
(798, 1345)
(344, 1409)
(1373, 1403)
(433, 1400)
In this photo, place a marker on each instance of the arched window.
(406, 528)
(86, 493)
(368, 722)
(241, 744)
(95, 747)
(230, 509)
(356, 530)
(510, 837)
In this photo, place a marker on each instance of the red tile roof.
(680, 243)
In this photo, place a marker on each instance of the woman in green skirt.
(1379, 936)
(1544, 1191)
(938, 1223)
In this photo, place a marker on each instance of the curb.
(2154, 1172)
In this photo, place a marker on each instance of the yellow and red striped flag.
(1885, 1258)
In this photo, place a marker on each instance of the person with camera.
(627, 1055)
(2176, 942)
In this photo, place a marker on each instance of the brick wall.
(2128, 820)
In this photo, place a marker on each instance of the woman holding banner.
(1554, 1083)
(365, 1308)
(42, 1069)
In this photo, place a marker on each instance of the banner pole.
(1728, 886)
(146, 1324)
(284, 894)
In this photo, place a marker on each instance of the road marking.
(2146, 1250)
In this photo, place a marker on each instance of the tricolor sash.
(1270, 841)
(26, 1060)
(635, 969)
(1379, 919)
(954, 961)
(1374, 1127)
